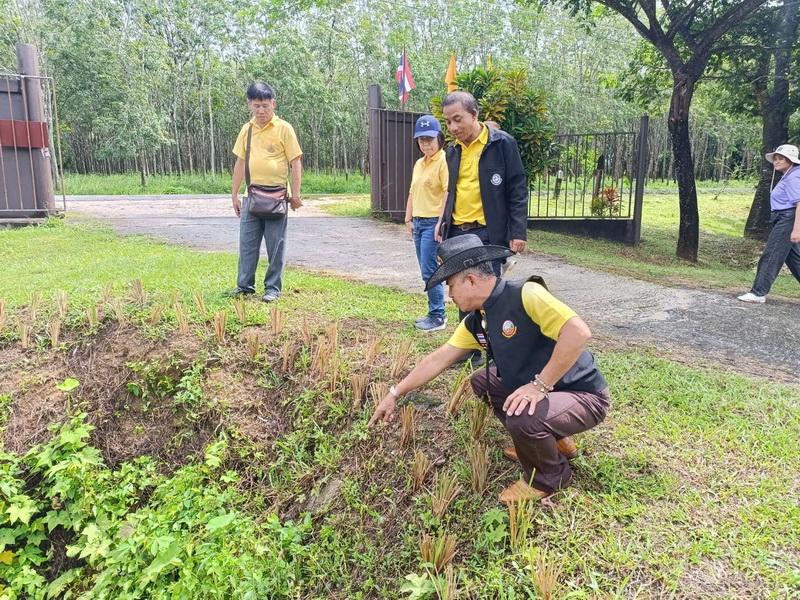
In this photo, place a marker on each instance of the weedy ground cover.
(201, 456)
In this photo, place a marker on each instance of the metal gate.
(594, 187)
(392, 154)
(29, 156)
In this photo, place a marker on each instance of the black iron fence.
(594, 185)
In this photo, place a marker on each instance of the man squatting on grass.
(542, 384)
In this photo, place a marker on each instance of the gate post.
(32, 86)
(641, 174)
(374, 105)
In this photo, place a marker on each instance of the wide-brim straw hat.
(463, 252)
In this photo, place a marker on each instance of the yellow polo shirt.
(429, 185)
(272, 148)
(469, 208)
(544, 309)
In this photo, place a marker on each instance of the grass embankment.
(257, 477)
(130, 185)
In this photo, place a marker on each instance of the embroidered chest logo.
(496, 179)
(272, 148)
(509, 329)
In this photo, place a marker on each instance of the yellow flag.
(450, 76)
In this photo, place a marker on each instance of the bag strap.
(247, 157)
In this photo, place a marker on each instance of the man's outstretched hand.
(384, 411)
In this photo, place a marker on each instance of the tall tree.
(686, 33)
(763, 76)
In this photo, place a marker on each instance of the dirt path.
(695, 325)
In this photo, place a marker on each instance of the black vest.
(519, 348)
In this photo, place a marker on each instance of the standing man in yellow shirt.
(268, 149)
(488, 191)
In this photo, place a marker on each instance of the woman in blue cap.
(425, 200)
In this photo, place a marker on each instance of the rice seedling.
(25, 332)
(156, 314)
(519, 523)
(478, 411)
(462, 391)
(437, 551)
(174, 298)
(252, 344)
(305, 332)
(200, 303)
(419, 470)
(182, 318)
(544, 572)
(62, 303)
(378, 391)
(33, 305)
(118, 309)
(54, 330)
(138, 292)
(93, 316)
(478, 457)
(321, 359)
(371, 353)
(108, 292)
(407, 422)
(276, 321)
(400, 360)
(332, 333)
(447, 588)
(445, 490)
(358, 384)
(220, 322)
(288, 353)
(240, 308)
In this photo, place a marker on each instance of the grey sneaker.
(431, 324)
(752, 298)
(420, 320)
(269, 297)
(239, 292)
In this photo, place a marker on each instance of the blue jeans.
(251, 231)
(425, 244)
(779, 250)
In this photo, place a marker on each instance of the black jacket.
(504, 188)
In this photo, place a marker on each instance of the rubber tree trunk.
(678, 123)
(775, 130)
(776, 106)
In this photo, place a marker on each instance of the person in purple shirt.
(783, 244)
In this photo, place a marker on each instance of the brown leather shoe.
(566, 446)
(519, 490)
(511, 453)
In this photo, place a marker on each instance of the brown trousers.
(559, 415)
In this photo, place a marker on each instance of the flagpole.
(403, 62)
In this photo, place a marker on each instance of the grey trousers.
(559, 415)
(779, 250)
(251, 231)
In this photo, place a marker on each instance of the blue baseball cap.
(427, 126)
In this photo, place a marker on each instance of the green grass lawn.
(130, 184)
(689, 489)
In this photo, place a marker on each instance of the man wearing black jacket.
(488, 191)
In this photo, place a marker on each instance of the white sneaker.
(752, 298)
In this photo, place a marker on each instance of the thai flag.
(405, 81)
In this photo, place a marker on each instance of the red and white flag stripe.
(404, 78)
